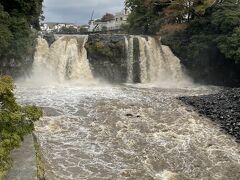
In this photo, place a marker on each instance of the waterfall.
(40, 64)
(65, 59)
(156, 62)
(129, 51)
(145, 60)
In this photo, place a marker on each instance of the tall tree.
(17, 20)
(146, 15)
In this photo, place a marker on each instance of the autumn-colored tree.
(153, 14)
(146, 15)
(107, 17)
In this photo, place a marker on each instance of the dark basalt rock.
(129, 115)
(136, 62)
(50, 38)
(222, 108)
(16, 67)
(107, 57)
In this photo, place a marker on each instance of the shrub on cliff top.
(101, 49)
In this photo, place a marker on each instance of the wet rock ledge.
(222, 108)
(107, 56)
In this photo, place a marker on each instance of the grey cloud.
(79, 11)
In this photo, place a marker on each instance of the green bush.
(19, 20)
(15, 122)
(101, 49)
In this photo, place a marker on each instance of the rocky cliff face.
(16, 67)
(21, 66)
(132, 59)
(107, 56)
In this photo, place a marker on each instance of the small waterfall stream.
(157, 63)
(129, 50)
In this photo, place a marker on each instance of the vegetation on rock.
(68, 30)
(100, 49)
(15, 122)
(40, 161)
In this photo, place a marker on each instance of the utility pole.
(92, 15)
(91, 25)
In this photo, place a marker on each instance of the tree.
(107, 17)
(5, 33)
(31, 10)
(204, 33)
(68, 30)
(17, 20)
(226, 22)
(146, 16)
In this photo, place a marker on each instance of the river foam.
(127, 132)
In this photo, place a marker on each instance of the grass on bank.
(40, 160)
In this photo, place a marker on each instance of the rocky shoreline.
(222, 108)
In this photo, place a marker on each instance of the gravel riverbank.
(223, 108)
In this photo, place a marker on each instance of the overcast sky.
(79, 11)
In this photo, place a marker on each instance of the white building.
(120, 19)
(56, 27)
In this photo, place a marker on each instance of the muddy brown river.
(129, 132)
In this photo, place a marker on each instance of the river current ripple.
(128, 132)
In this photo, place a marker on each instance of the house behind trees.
(109, 22)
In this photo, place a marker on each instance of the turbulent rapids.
(137, 130)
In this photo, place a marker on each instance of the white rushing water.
(158, 65)
(65, 59)
(129, 50)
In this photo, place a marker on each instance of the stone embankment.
(24, 161)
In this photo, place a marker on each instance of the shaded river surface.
(129, 132)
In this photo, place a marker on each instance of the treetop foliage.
(18, 18)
